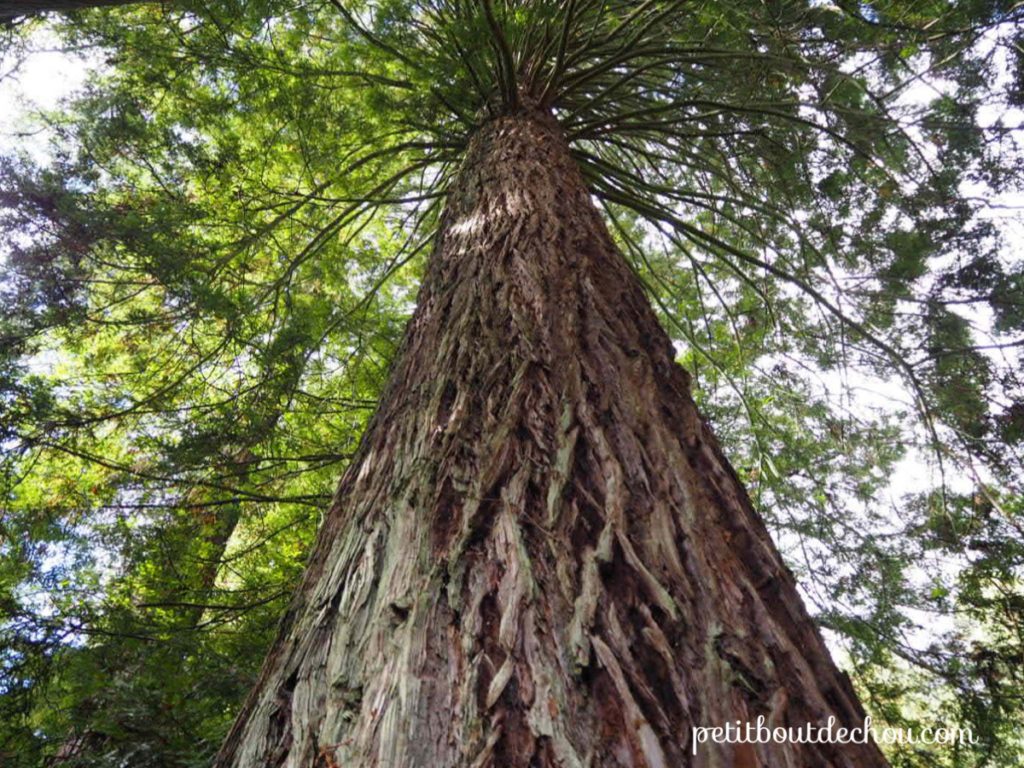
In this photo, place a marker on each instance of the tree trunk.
(539, 556)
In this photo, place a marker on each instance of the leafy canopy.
(207, 277)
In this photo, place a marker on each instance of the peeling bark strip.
(540, 556)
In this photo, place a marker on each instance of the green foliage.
(207, 280)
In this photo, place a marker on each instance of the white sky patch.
(35, 83)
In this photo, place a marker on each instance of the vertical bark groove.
(540, 556)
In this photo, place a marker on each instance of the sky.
(32, 85)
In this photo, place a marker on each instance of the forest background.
(215, 217)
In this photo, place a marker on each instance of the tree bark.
(540, 556)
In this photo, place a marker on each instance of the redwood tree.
(539, 554)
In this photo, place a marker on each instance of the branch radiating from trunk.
(540, 556)
(18, 9)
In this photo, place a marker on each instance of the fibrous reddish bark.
(540, 556)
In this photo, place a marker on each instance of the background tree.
(243, 182)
